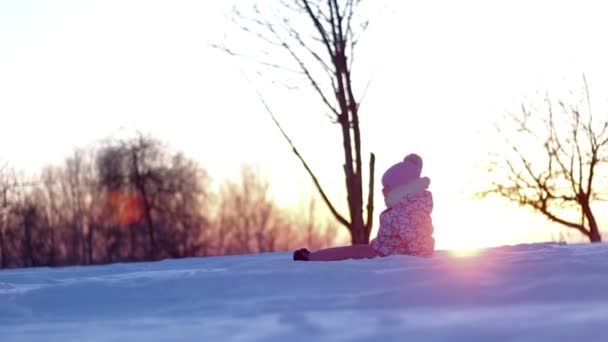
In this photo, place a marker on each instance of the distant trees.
(249, 221)
(159, 197)
(134, 200)
(319, 38)
(556, 165)
(66, 194)
(8, 184)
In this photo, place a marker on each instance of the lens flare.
(127, 207)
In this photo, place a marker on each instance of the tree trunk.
(76, 258)
(141, 188)
(353, 176)
(355, 201)
(594, 233)
(595, 236)
(28, 250)
(85, 244)
(53, 251)
(153, 253)
(3, 261)
(133, 241)
(90, 243)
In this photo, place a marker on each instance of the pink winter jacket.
(406, 227)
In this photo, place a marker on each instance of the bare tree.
(180, 203)
(67, 196)
(113, 169)
(319, 38)
(127, 171)
(76, 193)
(8, 183)
(23, 236)
(314, 232)
(166, 194)
(248, 221)
(555, 164)
(51, 209)
(29, 219)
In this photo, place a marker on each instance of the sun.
(465, 252)
(464, 243)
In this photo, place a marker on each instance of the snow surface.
(519, 293)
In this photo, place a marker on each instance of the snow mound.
(526, 293)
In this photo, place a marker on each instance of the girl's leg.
(362, 251)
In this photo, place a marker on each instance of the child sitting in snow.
(405, 225)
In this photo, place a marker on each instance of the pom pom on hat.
(403, 172)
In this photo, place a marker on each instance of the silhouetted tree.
(52, 210)
(248, 221)
(68, 192)
(555, 164)
(319, 37)
(113, 169)
(32, 233)
(8, 184)
(91, 209)
(180, 199)
(317, 233)
(76, 192)
(148, 187)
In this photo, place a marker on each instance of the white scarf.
(395, 196)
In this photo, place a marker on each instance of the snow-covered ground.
(521, 293)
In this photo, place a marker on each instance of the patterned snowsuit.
(407, 228)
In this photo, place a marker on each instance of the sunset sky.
(440, 74)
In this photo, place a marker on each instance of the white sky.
(74, 72)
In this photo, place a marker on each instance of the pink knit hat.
(402, 173)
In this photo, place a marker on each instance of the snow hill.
(536, 292)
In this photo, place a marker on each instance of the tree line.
(134, 200)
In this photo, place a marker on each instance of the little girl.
(405, 226)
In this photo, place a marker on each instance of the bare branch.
(566, 181)
(333, 210)
(312, 80)
(329, 73)
(364, 93)
(319, 27)
(566, 223)
(304, 68)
